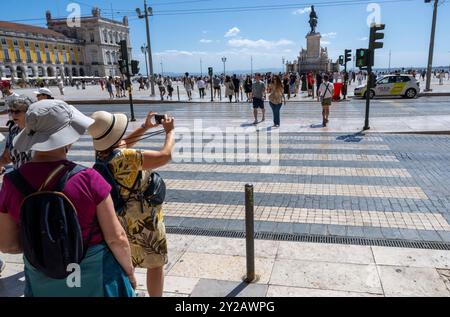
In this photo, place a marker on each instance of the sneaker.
(255, 122)
(2, 265)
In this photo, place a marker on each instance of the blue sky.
(179, 41)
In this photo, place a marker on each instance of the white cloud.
(330, 35)
(179, 53)
(232, 32)
(365, 38)
(258, 43)
(302, 11)
(205, 41)
(325, 42)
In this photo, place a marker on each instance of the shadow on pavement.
(355, 138)
(13, 286)
(239, 289)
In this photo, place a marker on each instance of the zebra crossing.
(320, 180)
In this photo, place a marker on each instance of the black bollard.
(250, 233)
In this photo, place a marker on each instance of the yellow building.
(60, 51)
(29, 52)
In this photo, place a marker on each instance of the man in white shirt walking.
(326, 92)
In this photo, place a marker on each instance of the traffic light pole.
(130, 91)
(369, 71)
(345, 81)
(431, 50)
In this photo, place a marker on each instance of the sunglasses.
(15, 111)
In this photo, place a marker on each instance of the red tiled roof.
(15, 27)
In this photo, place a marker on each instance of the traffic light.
(347, 56)
(362, 57)
(123, 50)
(341, 60)
(375, 35)
(210, 71)
(123, 66)
(134, 67)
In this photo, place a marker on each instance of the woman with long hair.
(276, 99)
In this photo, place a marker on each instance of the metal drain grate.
(430, 245)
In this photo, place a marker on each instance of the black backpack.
(49, 228)
(154, 195)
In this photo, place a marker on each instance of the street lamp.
(144, 50)
(224, 60)
(148, 12)
(431, 49)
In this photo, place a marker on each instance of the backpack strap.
(72, 171)
(20, 183)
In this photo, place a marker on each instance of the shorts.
(326, 102)
(258, 103)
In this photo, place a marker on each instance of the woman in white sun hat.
(51, 128)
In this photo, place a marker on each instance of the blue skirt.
(99, 275)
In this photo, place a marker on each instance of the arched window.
(116, 37)
(108, 57)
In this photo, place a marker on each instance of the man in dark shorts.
(259, 93)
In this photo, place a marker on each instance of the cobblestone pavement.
(380, 186)
(324, 184)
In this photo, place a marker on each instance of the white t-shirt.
(201, 84)
(326, 90)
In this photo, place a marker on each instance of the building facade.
(29, 52)
(59, 51)
(100, 38)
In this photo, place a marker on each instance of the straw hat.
(108, 129)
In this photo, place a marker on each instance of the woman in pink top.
(106, 270)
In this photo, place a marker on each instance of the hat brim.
(116, 134)
(43, 142)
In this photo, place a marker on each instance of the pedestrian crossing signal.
(134, 67)
(341, 60)
(210, 71)
(362, 57)
(123, 66)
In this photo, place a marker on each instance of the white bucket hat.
(50, 125)
(108, 129)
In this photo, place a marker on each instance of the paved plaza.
(379, 202)
(95, 93)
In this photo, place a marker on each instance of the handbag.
(155, 194)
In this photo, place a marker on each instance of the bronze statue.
(313, 20)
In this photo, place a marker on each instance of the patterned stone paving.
(378, 186)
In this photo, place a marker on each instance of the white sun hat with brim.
(50, 125)
(44, 91)
(108, 129)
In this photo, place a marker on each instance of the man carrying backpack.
(60, 215)
(326, 91)
(138, 192)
